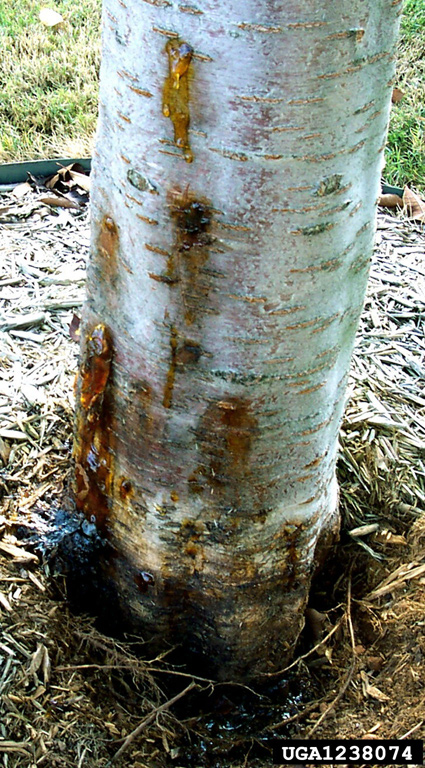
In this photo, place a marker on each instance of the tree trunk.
(235, 181)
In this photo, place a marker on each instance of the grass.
(405, 153)
(48, 79)
(49, 82)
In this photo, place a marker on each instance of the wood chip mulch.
(70, 695)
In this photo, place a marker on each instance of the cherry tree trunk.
(235, 180)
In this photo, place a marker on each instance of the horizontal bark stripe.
(124, 74)
(158, 3)
(190, 9)
(304, 102)
(331, 155)
(157, 249)
(315, 321)
(287, 128)
(269, 29)
(248, 299)
(262, 99)
(329, 265)
(165, 32)
(287, 310)
(348, 33)
(260, 28)
(154, 222)
(141, 91)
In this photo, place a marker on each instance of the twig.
(412, 730)
(134, 734)
(349, 620)
(305, 655)
(294, 718)
(147, 669)
(177, 673)
(19, 321)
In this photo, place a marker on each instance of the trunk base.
(201, 626)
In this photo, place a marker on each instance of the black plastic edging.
(14, 173)
(387, 189)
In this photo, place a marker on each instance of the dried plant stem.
(332, 705)
(148, 719)
(349, 675)
(309, 653)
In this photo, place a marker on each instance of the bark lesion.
(93, 447)
(192, 218)
(183, 353)
(225, 435)
(175, 103)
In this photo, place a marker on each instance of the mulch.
(70, 695)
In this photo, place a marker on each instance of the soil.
(72, 692)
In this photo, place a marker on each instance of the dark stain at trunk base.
(93, 449)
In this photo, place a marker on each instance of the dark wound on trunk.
(93, 449)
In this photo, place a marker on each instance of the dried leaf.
(21, 190)
(22, 321)
(39, 692)
(78, 196)
(36, 662)
(50, 18)
(46, 666)
(364, 530)
(372, 690)
(4, 451)
(4, 602)
(375, 663)
(18, 553)
(32, 577)
(60, 180)
(414, 207)
(397, 96)
(387, 537)
(13, 434)
(315, 621)
(112, 728)
(15, 746)
(77, 167)
(33, 395)
(74, 328)
(390, 201)
(59, 202)
(81, 180)
(52, 181)
(63, 174)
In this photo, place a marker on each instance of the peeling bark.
(235, 182)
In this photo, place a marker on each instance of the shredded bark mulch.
(70, 695)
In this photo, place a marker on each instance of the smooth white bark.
(229, 268)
